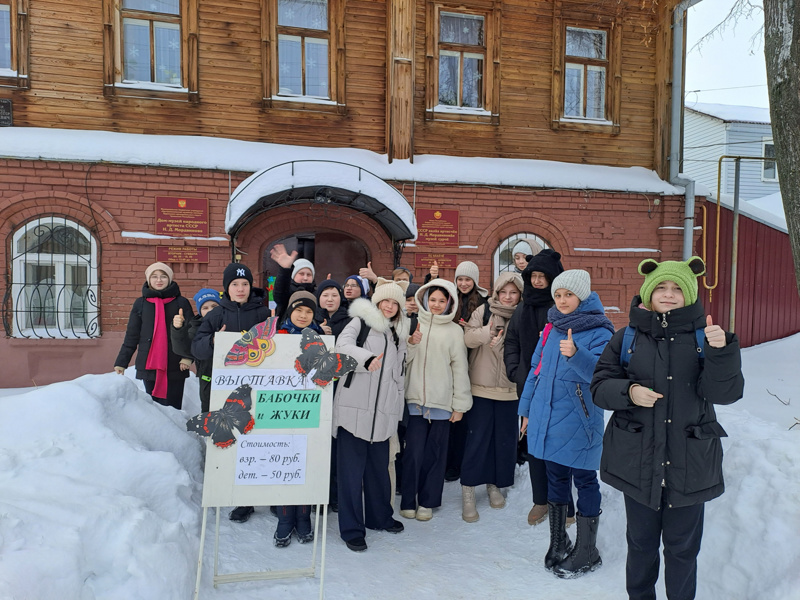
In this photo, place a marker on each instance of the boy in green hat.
(661, 377)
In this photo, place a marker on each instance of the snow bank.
(98, 494)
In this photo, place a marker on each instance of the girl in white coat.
(437, 393)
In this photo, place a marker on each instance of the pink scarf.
(545, 335)
(158, 356)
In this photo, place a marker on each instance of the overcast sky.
(729, 68)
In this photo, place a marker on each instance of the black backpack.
(360, 340)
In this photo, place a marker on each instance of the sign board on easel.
(285, 458)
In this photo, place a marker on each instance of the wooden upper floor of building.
(581, 81)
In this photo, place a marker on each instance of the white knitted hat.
(158, 266)
(577, 281)
(391, 290)
(302, 263)
(470, 269)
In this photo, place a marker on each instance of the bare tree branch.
(740, 9)
(779, 398)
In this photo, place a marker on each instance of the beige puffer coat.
(436, 370)
(487, 371)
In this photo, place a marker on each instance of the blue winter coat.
(564, 425)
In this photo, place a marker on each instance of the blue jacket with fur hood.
(564, 425)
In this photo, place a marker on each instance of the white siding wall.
(745, 139)
(703, 144)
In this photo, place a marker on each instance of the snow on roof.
(309, 173)
(235, 155)
(731, 113)
(767, 210)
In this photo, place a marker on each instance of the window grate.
(54, 277)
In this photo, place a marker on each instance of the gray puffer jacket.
(372, 405)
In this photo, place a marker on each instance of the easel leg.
(216, 549)
(324, 539)
(200, 560)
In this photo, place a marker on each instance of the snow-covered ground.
(100, 499)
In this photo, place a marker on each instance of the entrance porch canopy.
(322, 182)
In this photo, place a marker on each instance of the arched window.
(54, 281)
(504, 254)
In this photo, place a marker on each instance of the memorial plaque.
(181, 254)
(437, 227)
(6, 113)
(424, 260)
(181, 216)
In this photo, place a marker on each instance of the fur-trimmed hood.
(422, 292)
(372, 315)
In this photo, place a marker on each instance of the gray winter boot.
(560, 544)
(584, 556)
(468, 511)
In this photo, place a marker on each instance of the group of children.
(539, 348)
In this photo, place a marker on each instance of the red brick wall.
(112, 199)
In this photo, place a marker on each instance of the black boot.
(584, 556)
(560, 545)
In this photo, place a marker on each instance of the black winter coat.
(182, 343)
(139, 334)
(337, 321)
(520, 341)
(236, 318)
(674, 447)
(284, 287)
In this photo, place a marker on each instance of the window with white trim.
(304, 48)
(5, 36)
(150, 49)
(586, 65)
(503, 258)
(151, 42)
(462, 55)
(14, 47)
(769, 168)
(54, 281)
(462, 62)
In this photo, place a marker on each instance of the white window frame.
(10, 70)
(62, 329)
(305, 35)
(764, 143)
(587, 64)
(509, 242)
(461, 55)
(152, 19)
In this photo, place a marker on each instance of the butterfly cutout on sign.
(254, 346)
(220, 424)
(321, 364)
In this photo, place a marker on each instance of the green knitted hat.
(685, 274)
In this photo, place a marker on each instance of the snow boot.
(468, 511)
(584, 556)
(424, 514)
(537, 514)
(496, 498)
(241, 514)
(282, 542)
(560, 544)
